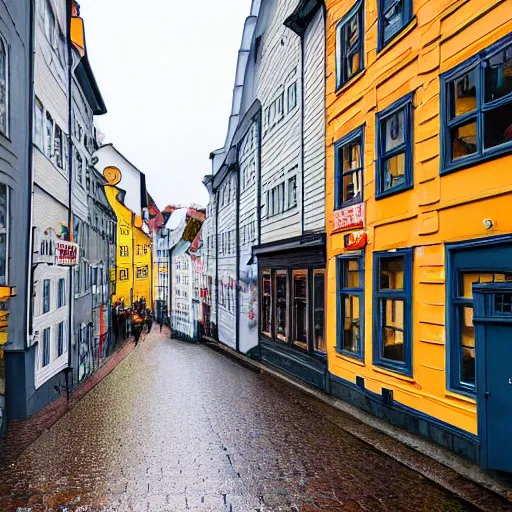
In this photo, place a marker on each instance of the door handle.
(487, 394)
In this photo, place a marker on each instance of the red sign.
(356, 240)
(66, 253)
(351, 217)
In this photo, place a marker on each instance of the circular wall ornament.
(112, 175)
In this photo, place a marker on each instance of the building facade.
(419, 230)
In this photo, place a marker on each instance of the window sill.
(401, 374)
(459, 396)
(354, 359)
(351, 82)
(404, 32)
(393, 191)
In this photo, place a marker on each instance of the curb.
(455, 475)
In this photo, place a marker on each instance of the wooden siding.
(314, 124)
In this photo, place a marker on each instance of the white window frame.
(7, 88)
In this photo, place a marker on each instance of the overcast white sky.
(166, 70)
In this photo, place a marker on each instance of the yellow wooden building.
(419, 217)
(133, 252)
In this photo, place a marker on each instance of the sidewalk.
(456, 475)
(22, 433)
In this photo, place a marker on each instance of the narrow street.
(180, 427)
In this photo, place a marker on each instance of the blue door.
(493, 324)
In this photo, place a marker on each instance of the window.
(349, 45)
(60, 339)
(394, 148)
(46, 347)
(61, 299)
(58, 146)
(281, 310)
(319, 310)
(79, 167)
(349, 169)
(38, 125)
(392, 310)
(292, 191)
(266, 303)
(300, 308)
(350, 306)
(123, 274)
(46, 296)
(277, 200)
(142, 272)
(476, 108)
(292, 96)
(49, 134)
(393, 17)
(4, 232)
(123, 251)
(4, 86)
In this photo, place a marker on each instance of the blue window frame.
(60, 339)
(350, 45)
(349, 165)
(350, 306)
(46, 295)
(394, 130)
(476, 108)
(46, 347)
(392, 306)
(484, 260)
(394, 15)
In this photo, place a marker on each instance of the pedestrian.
(149, 319)
(137, 323)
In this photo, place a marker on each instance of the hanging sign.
(351, 217)
(50, 249)
(356, 240)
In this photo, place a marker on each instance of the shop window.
(60, 339)
(393, 17)
(4, 86)
(349, 169)
(266, 303)
(350, 45)
(392, 310)
(61, 298)
(394, 142)
(300, 308)
(46, 296)
(350, 306)
(281, 310)
(319, 310)
(476, 108)
(46, 347)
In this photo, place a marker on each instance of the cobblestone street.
(192, 430)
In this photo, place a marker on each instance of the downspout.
(132, 273)
(216, 263)
(169, 307)
(258, 177)
(237, 242)
(302, 124)
(69, 6)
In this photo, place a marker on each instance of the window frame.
(405, 294)
(408, 16)
(61, 295)
(48, 295)
(46, 343)
(307, 300)
(60, 339)
(291, 94)
(340, 309)
(323, 273)
(266, 272)
(358, 133)
(477, 61)
(6, 133)
(406, 102)
(357, 8)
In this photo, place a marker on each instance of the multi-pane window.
(392, 310)
(58, 146)
(300, 309)
(476, 100)
(276, 200)
(349, 169)
(123, 250)
(319, 310)
(393, 17)
(4, 232)
(266, 303)
(281, 310)
(350, 45)
(49, 135)
(351, 303)
(292, 96)
(61, 298)
(123, 274)
(39, 125)
(46, 295)
(46, 347)
(60, 339)
(395, 142)
(4, 86)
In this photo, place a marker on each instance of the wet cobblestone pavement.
(180, 427)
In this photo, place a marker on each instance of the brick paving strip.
(450, 472)
(22, 433)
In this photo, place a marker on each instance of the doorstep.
(466, 480)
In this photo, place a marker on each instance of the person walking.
(137, 324)
(149, 319)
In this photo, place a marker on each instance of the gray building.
(15, 122)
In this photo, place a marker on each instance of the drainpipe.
(258, 176)
(216, 263)
(237, 242)
(302, 123)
